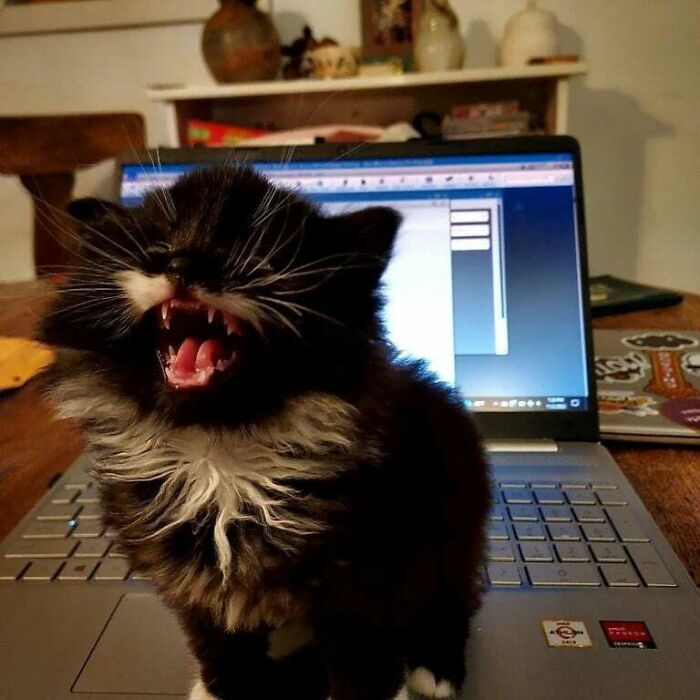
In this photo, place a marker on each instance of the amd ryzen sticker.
(627, 634)
(566, 633)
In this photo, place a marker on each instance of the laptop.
(585, 598)
(649, 385)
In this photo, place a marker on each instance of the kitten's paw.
(403, 694)
(424, 682)
(200, 692)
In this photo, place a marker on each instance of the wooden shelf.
(289, 104)
(174, 93)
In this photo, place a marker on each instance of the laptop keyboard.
(540, 534)
(550, 534)
(66, 541)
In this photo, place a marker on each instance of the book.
(613, 295)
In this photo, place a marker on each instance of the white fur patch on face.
(424, 682)
(144, 291)
(200, 692)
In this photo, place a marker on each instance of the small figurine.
(311, 58)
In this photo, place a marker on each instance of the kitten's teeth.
(210, 314)
(220, 366)
(171, 351)
(229, 329)
(166, 323)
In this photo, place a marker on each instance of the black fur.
(389, 581)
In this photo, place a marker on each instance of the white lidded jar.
(531, 33)
(439, 45)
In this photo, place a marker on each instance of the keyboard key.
(79, 481)
(48, 529)
(534, 551)
(41, 549)
(528, 531)
(116, 552)
(112, 570)
(88, 528)
(589, 514)
(497, 531)
(91, 511)
(572, 552)
(544, 485)
(523, 513)
(580, 497)
(603, 486)
(42, 570)
(574, 485)
(652, 570)
(611, 498)
(512, 484)
(10, 569)
(608, 553)
(496, 514)
(88, 497)
(64, 495)
(110, 532)
(552, 497)
(139, 576)
(77, 570)
(500, 551)
(58, 511)
(516, 496)
(626, 525)
(503, 575)
(92, 548)
(563, 532)
(563, 575)
(555, 514)
(598, 533)
(619, 575)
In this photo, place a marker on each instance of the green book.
(612, 295)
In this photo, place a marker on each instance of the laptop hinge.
(521, 446)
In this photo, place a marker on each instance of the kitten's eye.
(159, 248)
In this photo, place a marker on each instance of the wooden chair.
(45, 153)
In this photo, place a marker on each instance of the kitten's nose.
(179, 269)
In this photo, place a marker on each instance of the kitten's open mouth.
(198, 343)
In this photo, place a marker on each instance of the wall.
(636, 112)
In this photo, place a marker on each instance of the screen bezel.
(519, 425)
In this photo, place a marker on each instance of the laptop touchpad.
(141, 650)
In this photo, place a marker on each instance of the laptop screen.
(485, 280)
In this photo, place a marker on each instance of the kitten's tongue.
(195, 362)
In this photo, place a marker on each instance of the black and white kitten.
(310, 506)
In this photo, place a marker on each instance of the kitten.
(309, 505)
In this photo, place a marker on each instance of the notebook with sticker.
(648, 385)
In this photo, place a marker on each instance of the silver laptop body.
(585, 598)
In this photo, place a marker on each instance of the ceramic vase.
(439, 45)
(240, 43)
(528, 34)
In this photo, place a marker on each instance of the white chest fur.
(235, 474)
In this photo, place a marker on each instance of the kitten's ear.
(371, 233)
(90, 210)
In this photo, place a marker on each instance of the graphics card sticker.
(622, 368)
(613, 402)
(627, 634)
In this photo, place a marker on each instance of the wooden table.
(34, 447)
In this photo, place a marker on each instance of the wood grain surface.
(34, 447)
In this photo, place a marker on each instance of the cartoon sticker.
(691, 363)
(612, 402)
(566, 633)
(627, 634)
(683, 411)
(660, 341)
(622, 368)
(667, 376)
